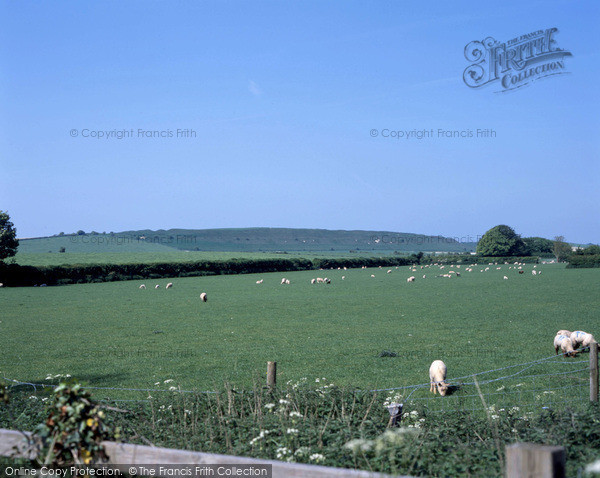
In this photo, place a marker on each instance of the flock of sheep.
(569, 342)
(203, 296)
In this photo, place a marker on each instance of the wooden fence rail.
(14, 444)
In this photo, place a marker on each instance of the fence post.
(594, 372)
(527, 460)
(271, 374)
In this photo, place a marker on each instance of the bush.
(584, 261)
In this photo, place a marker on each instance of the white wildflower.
(359, 445)
(283, 452)
(316, 457)
(500, 389)
(295, 414)
(495, 417)
(283, 401)
(172, 388)
(268, 406)
(292, 431)
(168, 381)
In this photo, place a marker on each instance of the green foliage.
(501, 241)
(320, 423)
(562, 250)
(3, 394)
(538, 245)
(584, 261)
(17, 275)
(589, 250)
(74, 430)
(8, 237)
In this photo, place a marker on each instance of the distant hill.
(245, 240)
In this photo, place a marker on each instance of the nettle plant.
(74, 430)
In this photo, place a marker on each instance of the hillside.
(244, 240)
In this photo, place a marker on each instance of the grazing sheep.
(564, 332)
(389, 271)
(565, 344)
(312, 281)
(410, 279)
(157, 286)
(424, 276)
(327, 281)
(372, 275)
(142, 286)
(505, 278)
(437, 377)
(320, 279)
(521, 272)
(581, 338)
(343, 277)
(169, 285)
(203, 297)
(259, 281)
(287, 281)
(283, 280)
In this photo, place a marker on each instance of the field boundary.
(16, 444)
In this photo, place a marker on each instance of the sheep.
(437, 377)
(424, 276)
(581, 338)
(312, 281)
(505, 278)
(320, 279)
(533, 272)
(521, 272)
(564, 332)
(343, 277)
(565, 344)
(283, 280)
(169, 285)
(142, 286)
(327, 281)
(372, 275)
(203, 297)
(259, 281)
(157, 286)
(410, 279)
(287, 281)
(389, 271)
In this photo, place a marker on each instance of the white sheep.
(505, 278)
(203, 297)
(372, 275)
(564, 332)
(312, 281)
(410, 279)
(142, 286)
(169, 285)
(437, 377)
(287, 281)
(581, 338)
(565, 344)
(157, 286)
(389, 271)
(283, 280)
(259, 281)
(327, 281)
(320, 279)
(343, 277)
(533, 273)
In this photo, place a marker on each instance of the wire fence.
(549, 381)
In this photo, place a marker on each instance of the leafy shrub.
(584, 261)
(74, 430)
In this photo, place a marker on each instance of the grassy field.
(169, 255)
(116, 335)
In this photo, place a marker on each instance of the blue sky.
(283, 97)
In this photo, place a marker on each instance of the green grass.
(169, 255)
(115, 335)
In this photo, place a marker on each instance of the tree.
(538, 245)
(501, 241)
(561, 249)
(8, 237)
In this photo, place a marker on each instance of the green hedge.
(17, 275)
(469, 259)
(583, 261)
